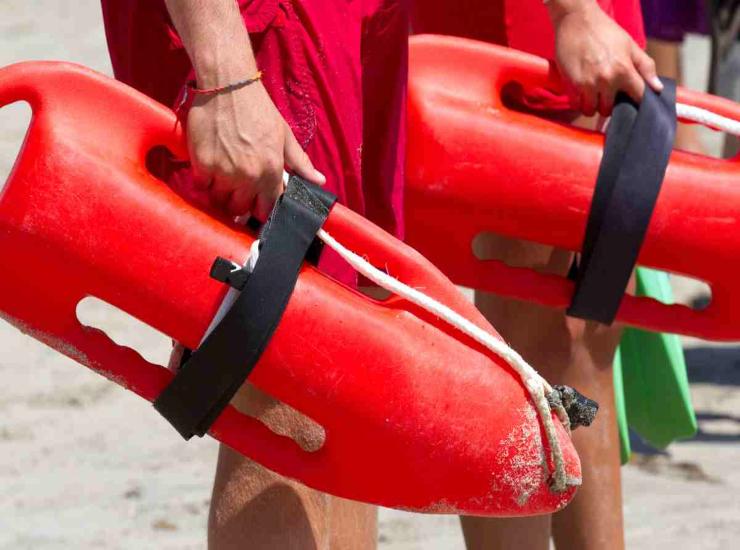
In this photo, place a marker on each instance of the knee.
(250, 503)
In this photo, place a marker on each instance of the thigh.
(255, 508)
(251, 503)
(310, 54)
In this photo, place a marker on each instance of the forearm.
(215, 38)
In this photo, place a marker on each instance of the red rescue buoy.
(477, 165)
(416, 415)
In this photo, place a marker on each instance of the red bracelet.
(190, 91)
(226, 88)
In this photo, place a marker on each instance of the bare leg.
(579, 354)
(257, 509)
(503, 534)
(667, 57)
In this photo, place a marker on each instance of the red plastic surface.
(416, 416)
(474, 165)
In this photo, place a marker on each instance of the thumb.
(646, 67)
(298, 161)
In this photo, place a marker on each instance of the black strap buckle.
(231, 273)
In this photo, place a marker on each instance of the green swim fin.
(650, 371)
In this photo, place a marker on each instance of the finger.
(202, 172)
(633, 85)
(646, 67)
(241, 201)
(574, 99)
(262, 207)
(574, 95)
(264, 201)
(202, 179)
(220, 192)
(589, 101)
(298, 161)
(606, 101)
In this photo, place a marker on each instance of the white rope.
(708, 118)
(537, 386)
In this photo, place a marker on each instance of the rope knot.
(581, 410)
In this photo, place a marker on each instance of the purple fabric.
(670, 20)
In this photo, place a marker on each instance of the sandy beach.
(85, 464)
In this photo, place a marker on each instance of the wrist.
(560, 8)
(219, 67)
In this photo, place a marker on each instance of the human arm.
(597, 57)
(239, 143)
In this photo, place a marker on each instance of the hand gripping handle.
(481, 73)
(507, 66)
(503, 66)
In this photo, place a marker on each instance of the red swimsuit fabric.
(335, 70)
(337, 73)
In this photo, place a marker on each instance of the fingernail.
(656, 84)
(320, 178)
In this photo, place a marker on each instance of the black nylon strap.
(638, 145)
(206, 383)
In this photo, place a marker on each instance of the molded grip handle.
(500, 67)
(16, 84)
(56, 87)
(125, 366)
(556, 291)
